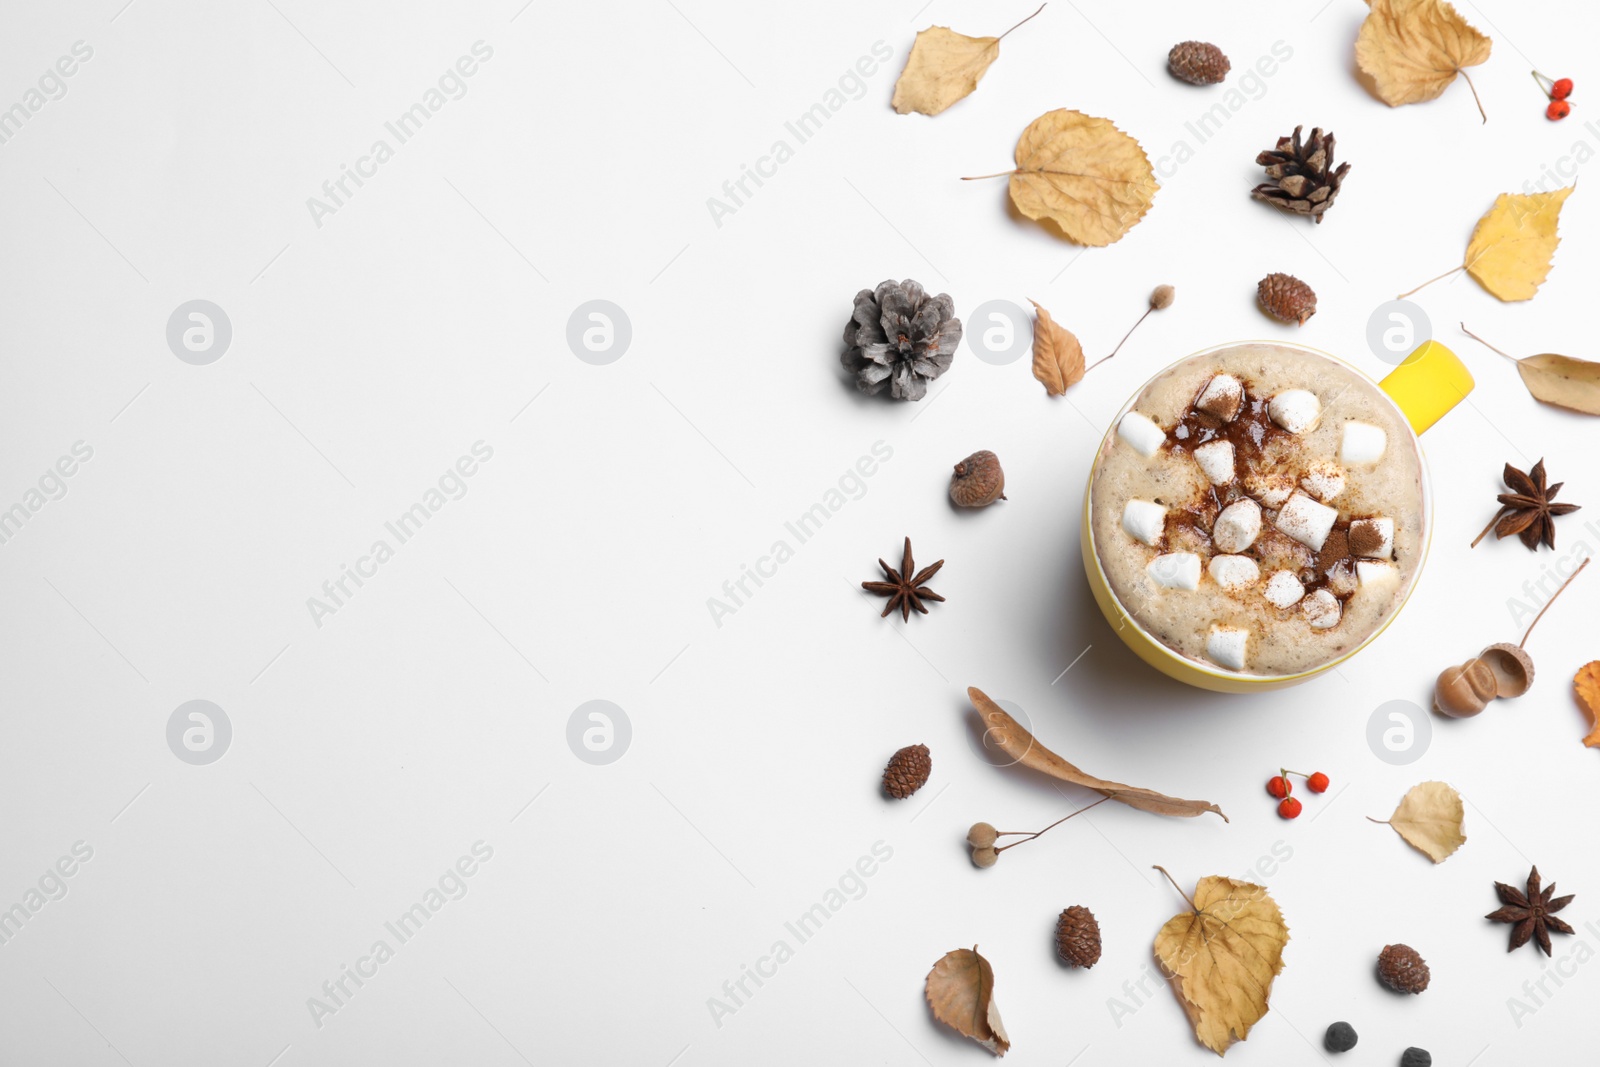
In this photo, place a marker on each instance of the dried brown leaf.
(1222, 957)
(960, 990)
(1057, 355)
(1023, 748)
(944, 67)
(1413, 49)
(1562, 381)
(1587, 684)
(1429, 818)
(1084, 175)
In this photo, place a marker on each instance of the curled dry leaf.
(1429, 818)
(1513, 244)
(1587, 684)
(944, 67)
(1413, 50)
(960, 990)
(1023, 748)
(1083, 175)
(1222, 956)
(1057, 355)
(1560, 381)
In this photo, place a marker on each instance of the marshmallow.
(1226, 647)
(1377, 575)
(1271, 489)
(1323, 481)
(1175, 570)
(1322, 610)
(1306, 521)
(1363, 443)
(1216, 460)
(1144, 521)
(1372, 538)
(1237, 526)
(1222, 397)
(1284, 589)
(1234, 572)
(1296, 410)
(1141, 432)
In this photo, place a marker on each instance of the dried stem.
(1179, 888)
(1497, 517)
(1125, 337)
(1474, 89)
(1487, 345)
(1430, 281)
(1552, 600)
(996, 174)
(1047, 829)
(1380, 822)
(1030, 18)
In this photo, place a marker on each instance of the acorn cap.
(1461, 692)
(1512, 667)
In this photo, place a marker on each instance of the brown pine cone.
(1402, 970)
(1078, 937)
(1304, 180)
(1198, 63)
(1286, 298)
(907, 771)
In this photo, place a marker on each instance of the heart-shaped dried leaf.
(1222, 957)
(1005, 732)
(1081, 173)
(1587, 684)
(1413, 49)
(943, 68)
(1057, 355)
(1429, 818)
(1513, 244)
(960, 990)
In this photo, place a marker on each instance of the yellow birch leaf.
(960, 990)
(944, 67)
(1511, 248)
(1429, 818)
(1222, 957)
(1081, 173)
(1413, 49)
(1057, 355)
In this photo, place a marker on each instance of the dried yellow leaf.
(1560, 381)
(960, 990)
(1222, 957)
(944, 67)
(1082, 174)
(1057, 355)
(1429, 818)
(1511, 248)
(1413, 49)
(1587, 684)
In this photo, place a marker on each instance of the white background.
(369, 353)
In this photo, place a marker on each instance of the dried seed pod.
(985, 857)
(1512, 668)
(982, 835)
(907, 771)
(1286, 298)
(1461, 692)
(1161, 298)
(978, 481)
(1078, 937)
(1402, 969)
(1198, 63)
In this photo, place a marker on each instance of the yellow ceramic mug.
(1423, 388)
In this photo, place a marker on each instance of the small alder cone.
(1304, 179)
(1078, 937)
(1286, 298)
(978, 481)
(907, 771)
(1402, 970)
(1198, 63)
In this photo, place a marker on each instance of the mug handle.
(1430, 382)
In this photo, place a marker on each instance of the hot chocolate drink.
(1259, 509)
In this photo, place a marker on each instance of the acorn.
(1512, 667)
(1461, 692)
(978, 481)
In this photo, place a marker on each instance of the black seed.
(1341, 1037)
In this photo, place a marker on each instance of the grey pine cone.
(900, 338)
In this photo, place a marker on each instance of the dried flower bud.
(1162, 297)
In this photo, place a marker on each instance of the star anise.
(1532, 914)
(904, 590)
(1528, 510)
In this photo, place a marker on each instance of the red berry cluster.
(1280, 787)
(1557, 90)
